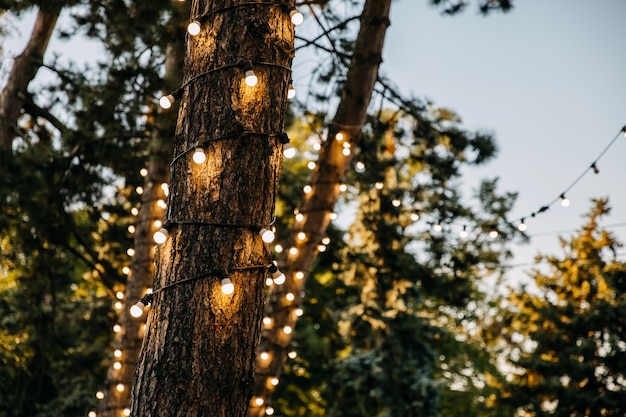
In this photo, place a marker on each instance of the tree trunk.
(22, 73)
(318, 204)
(116, 401)
(199, 349)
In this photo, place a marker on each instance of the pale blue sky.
(547, 79)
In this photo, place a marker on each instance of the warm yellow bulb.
(267, 235)
(199, 156)
(194, 28)
(167, 101)
(251, 78)
(227, 286)
(99, 395)
(296, 17)
(160, 236)
(289, 296)
(287, 330)
(494, 234)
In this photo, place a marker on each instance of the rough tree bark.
(119, 380)
(317, 205)
(23, 71)
(199, 350)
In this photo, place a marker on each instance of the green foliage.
(570, 332)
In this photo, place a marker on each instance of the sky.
(547, 79)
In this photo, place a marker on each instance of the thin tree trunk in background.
(199, 350)
(23, 72)
(127, 342)
(316, 206)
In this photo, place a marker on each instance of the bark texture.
(23, 71)
(317, 206)
(199, 349)
(128, 341)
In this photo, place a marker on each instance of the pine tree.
(569, 329)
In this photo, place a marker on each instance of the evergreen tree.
(569, 329)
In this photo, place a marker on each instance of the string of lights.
(521, 222)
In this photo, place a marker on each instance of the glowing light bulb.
(131, 229)
(251, 78)
(346, 151)
(325, 240)
(134, 211)
(199, 156)
(494, 234)
(120, 387)
(126, 411)
(92, 414)
(99, 395)
(299, 217)
(292, 354)
(522, 226)
(143, 172)
(227, 286)
(269, 411)
(119, 295)
(117, 328)
(130, 252)
(287, 330)
(289, 151)
(395, 202)
(158, 223)
(307, 189)
(194, 28)
(296, 17)
(277, 276)
(166, 189)
(378, 185)
(333, 216)
(343, 188)
(339, 136)
(126, 270)
(321, 248)
(437, 227)
(290, 296)
(278, 248)
(299, 275)
(118, 305)
(117, 365)
(293, 250)
(311, 165)
(259, 401)
(160, 236)
(162, 204)
(463, 233)
(359, 166)
(264, 356)
(267, 321)
(167, 101)
(564, 200)
(415, 217)
(267, 235)
(136, 310)
(291, 92)
(301, 236)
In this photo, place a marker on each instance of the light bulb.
(463, 233)
(289, 151)
(522, 226)
(299, 217)
(120, 387)
(131, 229)
(332, 216)
(287, 330)
(339, 136)
(415, 217)
(119, 295)
(199, 156)
(299, 312)
(267, 321)
(291, 92)
(92, 414)
(301, 235)
(396, 203)
(130, 252)
(269, 411)
(162, 204)
(137, 310)
(292, 354)
(494, 234)
(134, 211)
(343, 187)
(289, 296)
(307, 189)
(277, 276)
(278, 248)
(378, 185)
(311, 165)
(160, 236)
(274, 381)
(293, 250)
(325, 240)
(564, 200)
(193, 28)
(359, 166)
(117, 365)
(143, 172)
(227, 286)
(346, 151)
(437, 227)
(158, 223)
(166, 101)
(264, 356)
(267, 235)
(321, 248)
(117, 328)
(296, 17)
(126, 411)
(259, 401)
(251, 78)
(99, 395)
(299, 275)
(118, 305)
